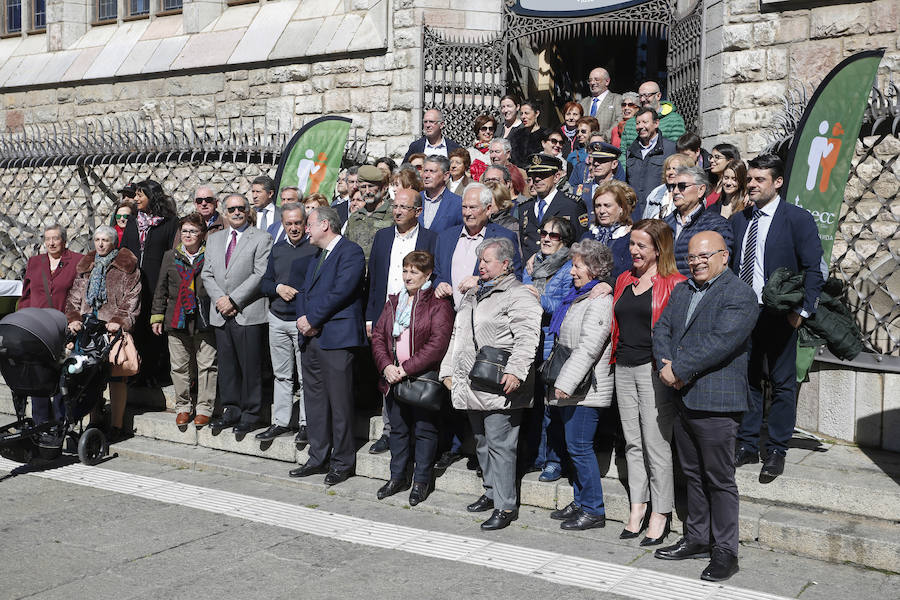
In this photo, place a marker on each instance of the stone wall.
(752, 59)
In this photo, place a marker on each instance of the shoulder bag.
(423, 391)
(551, 368)
(490, 364)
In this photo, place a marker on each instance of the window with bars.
(107, 10)
(138, 7)
(13, 16)
(171, 5)
(39, 14)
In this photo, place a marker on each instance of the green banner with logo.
(312, 159)
(818, 164)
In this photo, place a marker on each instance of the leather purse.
(425, 391)
(490, 365)
(551, 368)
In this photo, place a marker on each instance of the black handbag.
(423, 391)
(490, 364)
(551, 368)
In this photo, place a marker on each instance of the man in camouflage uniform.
(376, 212)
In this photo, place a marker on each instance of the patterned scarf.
(144, 222)
(404, 310)
(546, 266)
(186, 302)
(96, 292)
(604, 233)
(485, 287)
(560, 313)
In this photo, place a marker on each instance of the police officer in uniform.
(603, 161)
(546, 171)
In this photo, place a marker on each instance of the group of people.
(559, 293)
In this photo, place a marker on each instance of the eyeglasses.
(554, 236)
(190, 232)
(405, 208)
(555, 142)
(486, 128)
(233, 209)
(680, 186)
(120, 217)
(716, 156)
(490, 180)
(694, 258)
(204, 200)
(629, 104)
(650, 95)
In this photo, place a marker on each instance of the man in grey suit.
(700, 344)
(602, 104)
(236, 260)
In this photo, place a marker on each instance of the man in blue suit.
(455, 260)
(433, 142)
(440, 206)
(330, 319)
(700, 346)
(770, 234)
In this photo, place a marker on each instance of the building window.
(39, 20)
(13, 16)
(168, 5)
(107, 10)
(138, 7)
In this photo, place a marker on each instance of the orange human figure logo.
(829, 160)
(318, 175)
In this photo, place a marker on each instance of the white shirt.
(331, 245)
(645, 150)
(269, 211)
(547, 202)
(439, 148)
(404, 243)
(762, 232)
(430, 207)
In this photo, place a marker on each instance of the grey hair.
(289, 206)
(633, 96)
(292, 187)
(507, 147)
(326, 213)
(236, 195)
(597, 257)
(443, 161)
(698, 174)
(484, 193)
(204, 187)
(502, 246)
(59, 228)
(507, 176)
(107, 232)
(438, 111)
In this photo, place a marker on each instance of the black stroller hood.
(20, 330)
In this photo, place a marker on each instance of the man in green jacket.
(671, 124)
(376, 212)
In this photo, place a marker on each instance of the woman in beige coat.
(585, 384)
(502, 313)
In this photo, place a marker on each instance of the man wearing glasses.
(690, 215)
(602, 104)
(433, 142)
(671, 124)
(206, 205)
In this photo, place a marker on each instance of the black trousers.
(705, 445)
(240, 370)
(328, 395)
(414, 428)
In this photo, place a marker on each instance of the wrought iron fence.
(684, 66)
(72, 173)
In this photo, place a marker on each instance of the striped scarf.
(186, 302)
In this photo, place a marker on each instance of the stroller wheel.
(21, 451)
(92, 446)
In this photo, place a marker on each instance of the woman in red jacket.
(411, 338)
(645, 407)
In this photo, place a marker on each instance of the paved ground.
(79, 532)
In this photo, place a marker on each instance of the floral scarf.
(96, 292)
(604, 233)
(404, 310)
(144, 222)
(186, 302)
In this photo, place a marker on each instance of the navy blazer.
(449, 212)
(792, 242)
(380, 266)
(418, 147)
(332, 299)
(709, 352)
(276, 230)
(446, 245)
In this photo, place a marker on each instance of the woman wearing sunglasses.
(659, 200)
(479, 161)
(125, 210)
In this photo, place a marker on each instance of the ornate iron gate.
(684, 65)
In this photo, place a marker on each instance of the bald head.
(598, 81)
(649, 95)
(707, 256)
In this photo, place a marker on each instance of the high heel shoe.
(630, 535)
(649, 541)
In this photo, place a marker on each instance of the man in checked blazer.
(236, 260)
(602, 104)
(700, 344)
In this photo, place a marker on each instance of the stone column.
(198, 14)
(67, 20)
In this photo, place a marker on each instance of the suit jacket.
(609, 111)
(276, 218)
(380, 266)
(343, 211)
(792, 242)
(563, 205)
(449, 212)
(446, 244)
(709, 352)
(418, 146)
(276, 230)
(332, 299)
(241, 280)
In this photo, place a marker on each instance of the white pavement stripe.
(632, 582)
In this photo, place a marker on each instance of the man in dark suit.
(700, 346)
(236, 260)
(603, 159)
(289, 195)
(262, 190)
(546, 171)
(770, 234)
(441, 208)
(433, 142)
(645, 157)
(330, 318)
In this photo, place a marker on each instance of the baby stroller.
(33, 362)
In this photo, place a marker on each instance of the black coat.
(644, 174)
(524, 143)
(160, 239)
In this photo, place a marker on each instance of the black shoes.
(244, 428)
(630, 535)
(482, 504)
(773, 466)
(335, 477)
(722, 566)
(582, 521)
(447, 459)
(307, 470)
(499, 519)
(223, 422)
(564, 514)
(301, 437)
(418, 493)
(745, 456)
(272, 432)
(390, 488)
(682, 550)
(380, 446)
(649, 541)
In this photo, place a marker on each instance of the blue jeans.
(581, 426)
(552, 448)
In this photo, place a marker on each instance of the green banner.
(312, 159)
(818, 164)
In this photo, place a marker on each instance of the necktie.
(262, 219)
(594, 107)
(541, 206)
(321, 260)
(230, 248)
(749, 259)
